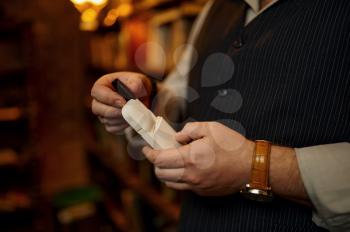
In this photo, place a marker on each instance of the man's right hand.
(107, 103)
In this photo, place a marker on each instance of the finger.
(151, 154)
(106, 95)
(112, 121)
(183, 138)
(178, 186)
(172, 158)
(192, 131)
(116, 129)
(103, 110)
(173, 175)
(139, 84)
(136, 83)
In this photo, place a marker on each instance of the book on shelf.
(135, 36)
(8, 157)
(10, 113)
(148, 42)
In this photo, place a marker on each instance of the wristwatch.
(259, 188)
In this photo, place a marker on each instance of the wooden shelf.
(11, 113)
(132, 181)
(8, 157)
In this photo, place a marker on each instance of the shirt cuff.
(324, 171)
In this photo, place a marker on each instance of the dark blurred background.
(59, 169)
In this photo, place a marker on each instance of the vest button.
(222, 92)
(237, 44)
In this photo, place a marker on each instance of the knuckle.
(93, 91)
(157, 172)
(107, 128)
(192, 179)
(189, 126)
(105, 97)
(93, 107)
(146, 153)
(107, 122)
(150, 156)
(192, 157)
(158, 161)
(168, 184)
(114, 122)
(113, 113)
(189, 161)
(110, 129)
(195, 180)
(107, 112)
(95, 87)
(194, 126)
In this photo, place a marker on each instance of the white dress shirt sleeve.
(325, 173)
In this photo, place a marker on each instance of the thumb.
(138, 84)
(192, 131)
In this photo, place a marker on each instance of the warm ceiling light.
(79, 1)
(93, 2)
(89, 10)
(123, 10)
(97, 2)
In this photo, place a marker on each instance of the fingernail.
(145, 148)
(119, 103)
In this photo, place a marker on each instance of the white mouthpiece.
(155, 130)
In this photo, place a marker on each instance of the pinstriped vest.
(289, 83)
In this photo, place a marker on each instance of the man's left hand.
(214, 160)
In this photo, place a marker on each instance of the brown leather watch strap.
(260, 166)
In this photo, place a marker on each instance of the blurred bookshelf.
(18, 176)
(126, 43)
(135, 200)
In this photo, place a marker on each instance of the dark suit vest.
(284, 78)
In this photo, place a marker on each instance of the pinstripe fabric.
(293, 75)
